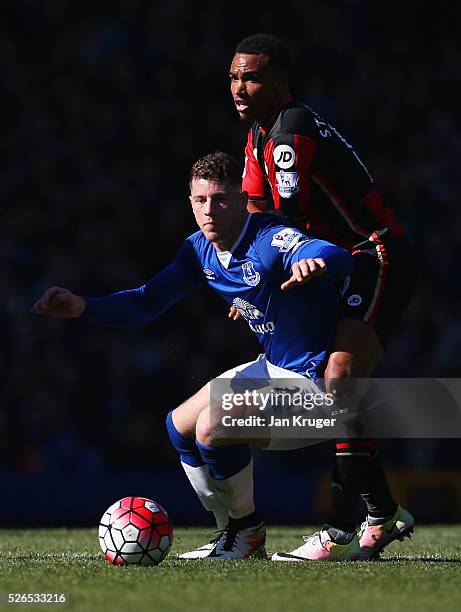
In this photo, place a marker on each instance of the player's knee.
(184, 418)
(338, 375)
(340, 365)
(203, 430)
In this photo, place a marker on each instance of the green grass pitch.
(424, 574)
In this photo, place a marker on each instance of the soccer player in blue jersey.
(252, 261)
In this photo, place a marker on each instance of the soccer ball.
(135, 530)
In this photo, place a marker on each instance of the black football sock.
(251, 520)
(358, 470)
(376, 492)
(344, 496)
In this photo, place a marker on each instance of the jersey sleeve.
(253, 181)
(340, 262)
(289, 158)
(143, 304)
(280, 247)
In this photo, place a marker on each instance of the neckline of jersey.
(225, 257)
(283, 104)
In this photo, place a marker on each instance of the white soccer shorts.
(263, 378)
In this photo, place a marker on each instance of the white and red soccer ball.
(135, 530)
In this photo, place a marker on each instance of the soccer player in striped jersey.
(300, 165)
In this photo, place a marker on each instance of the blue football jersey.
(295, 327)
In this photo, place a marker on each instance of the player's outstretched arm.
(132, 306)
(60, 303)
(303, 270)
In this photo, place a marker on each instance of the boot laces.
(309, 539)
(230, 536)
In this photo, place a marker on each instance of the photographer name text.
(260, 421)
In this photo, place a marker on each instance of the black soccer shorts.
(381, 286)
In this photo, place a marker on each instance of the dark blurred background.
(105, 106)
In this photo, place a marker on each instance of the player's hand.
(303, 270)
(234, 313)
(59, 302)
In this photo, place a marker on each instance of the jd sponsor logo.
(284, 156)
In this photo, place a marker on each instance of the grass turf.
(421, 575)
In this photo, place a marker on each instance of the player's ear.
(190, 199)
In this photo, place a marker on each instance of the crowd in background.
(105, 108)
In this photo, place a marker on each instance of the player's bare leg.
(356, 352)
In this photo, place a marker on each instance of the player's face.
(219, 209)
(257, 87)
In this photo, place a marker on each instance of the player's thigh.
(229, 405)
(186, 415)
(356, 350)
(210, 432)
(264, 416)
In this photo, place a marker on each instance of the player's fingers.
(304, 267)
(50, 294)
(41, 304)
(234, 313)
(316, 266)
(297, 272)
(53, 295)
(301, 271)
(291, 282)
(320, 266)
(37, 308)
(40, 308)
(60, 298)
(321, 263)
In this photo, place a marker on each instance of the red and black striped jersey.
(314, 176)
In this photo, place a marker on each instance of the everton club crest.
(250, 276)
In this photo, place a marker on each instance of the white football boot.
(239, 544)
(202, 551)
(232, 544)
(321, 547)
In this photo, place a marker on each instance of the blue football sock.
(225, 461)
(186, 447)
